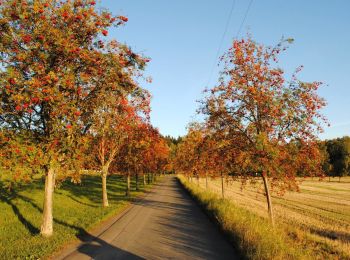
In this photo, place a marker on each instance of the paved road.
(166, 224)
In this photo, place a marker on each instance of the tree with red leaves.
(272, 123)
(54, 66)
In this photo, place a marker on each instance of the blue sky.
(183, 37)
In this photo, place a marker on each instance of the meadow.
(316, 219)
(77, 209)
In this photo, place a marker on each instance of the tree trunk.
(46, 229)
(268, 198)
(222, 186)
(144, 180)
(104, 187)
(127, 193)
(197, 180)
(206, 181)
(148, 178)
(137, 182)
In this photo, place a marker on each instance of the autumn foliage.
(262, 124)
(65, 87)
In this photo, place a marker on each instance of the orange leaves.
(64, 74)
(77, 113)
(261, 117)
(105, 32)
(12, 81)
(123, 18)
(26, 38)
(65, 14)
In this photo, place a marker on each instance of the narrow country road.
(166, 224)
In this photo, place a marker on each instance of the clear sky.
(183, 38)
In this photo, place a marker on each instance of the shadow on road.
(97, 248)
(184, 227)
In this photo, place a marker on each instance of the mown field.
(77, 208)
(320, 211)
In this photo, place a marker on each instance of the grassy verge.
(253, 236)
(77, 208)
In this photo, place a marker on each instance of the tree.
(54, 64)
(188, 153)
(274, 121)
(339, 156)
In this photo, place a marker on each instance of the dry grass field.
(321, 209)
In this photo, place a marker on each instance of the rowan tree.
(156, 157)
(277, 121)
(109, 130)
(129, 159)
(54, 63)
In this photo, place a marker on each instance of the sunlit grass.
(314, 222)
(77, 208)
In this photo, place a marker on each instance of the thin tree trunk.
(144, 180)
(46, 229)
(268, 198)
(222, 186)
(137, 182)
(104, 187)
(148, 178)
(206, 181)
(127, 193)
(197, 180)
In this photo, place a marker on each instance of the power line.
(245, 17)
(221, 42)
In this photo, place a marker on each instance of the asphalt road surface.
(166, 224)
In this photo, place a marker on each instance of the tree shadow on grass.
(331, 234)
(91, 188)
(7, 198)
(76, 200)
(92, 246)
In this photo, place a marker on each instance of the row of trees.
(256, 123)
(70, 98)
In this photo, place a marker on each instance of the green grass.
(253, 235)
(77, 208)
